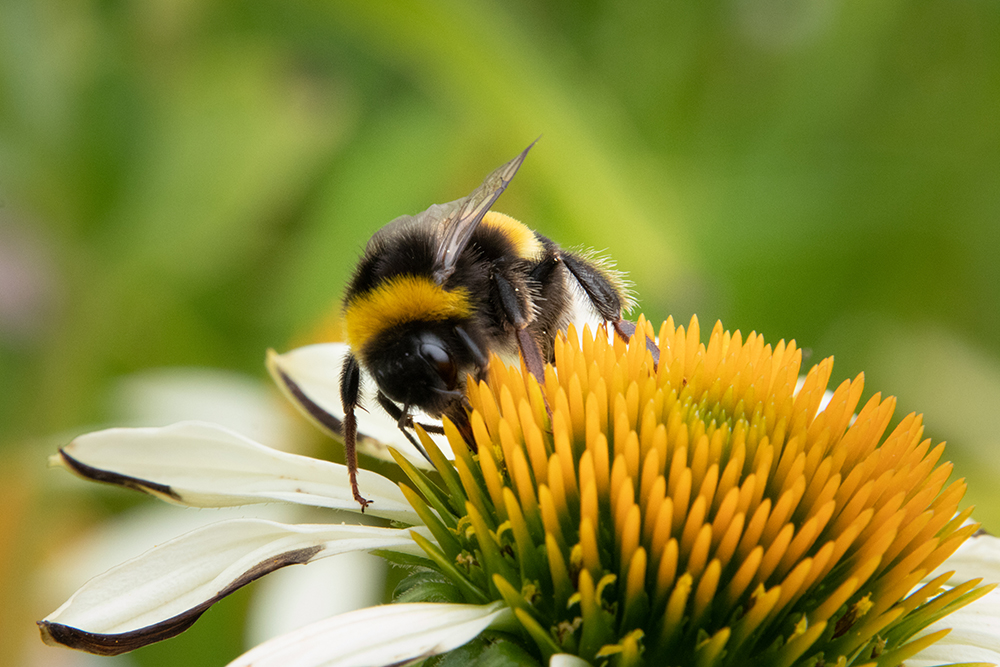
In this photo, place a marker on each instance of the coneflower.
(707, 510)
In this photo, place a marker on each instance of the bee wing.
(459, 219)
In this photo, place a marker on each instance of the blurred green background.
(186, 183)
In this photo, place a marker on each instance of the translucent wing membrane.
(459, 219)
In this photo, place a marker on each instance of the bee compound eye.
(440, 361)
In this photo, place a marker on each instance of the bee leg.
(482, 364)
(605, 298)
(456, 413)
(482, 361)
(460, 418)
(529, 346)
(408, 421)
(530, 351)
(436, 429)
(350, 384)
(532, 355)
(403, 421)
(626, 329)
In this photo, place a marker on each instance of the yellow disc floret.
(700, 511)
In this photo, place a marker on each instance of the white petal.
(975, 628)
(823, 402)
(567, 660)
(286, 600)
(384, 635)
(204, 465)
(315, 371)
(974, 636)
(131, 533)
(163, 591)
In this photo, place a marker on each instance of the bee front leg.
(530, 350)
(511, 305)
(404, 418)
(482, 361)
(404, 421)
(460, 418)
(350, 384)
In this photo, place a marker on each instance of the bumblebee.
(434, 294)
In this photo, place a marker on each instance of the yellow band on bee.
(400, 300)
(526, 244)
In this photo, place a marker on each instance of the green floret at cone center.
(698, 512)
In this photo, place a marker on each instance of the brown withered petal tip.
(99, 475)
(319, 414)
(57, 634)
(322, 417)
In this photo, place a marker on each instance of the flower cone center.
(699, 511)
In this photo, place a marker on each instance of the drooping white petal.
(163, 591)
(385, 635)
(204, 465)
(310, 377)
(132, 532)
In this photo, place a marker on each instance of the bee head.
(421, 368)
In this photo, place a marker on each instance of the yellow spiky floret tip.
(698, 511)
